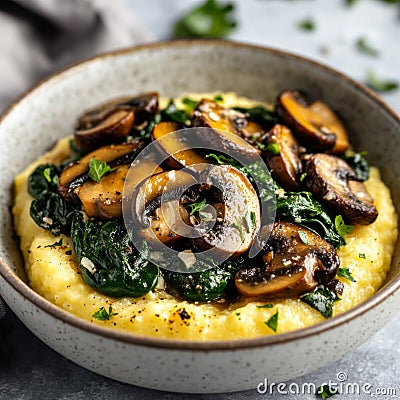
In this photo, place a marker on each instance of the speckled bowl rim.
(176, 344)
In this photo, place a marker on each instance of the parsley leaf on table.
(307, 24)
(209, 20)
(364, 47)
(380, 85)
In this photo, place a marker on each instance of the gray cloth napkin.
(41, 36)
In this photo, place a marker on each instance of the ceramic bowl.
(48, 111)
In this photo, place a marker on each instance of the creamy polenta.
(52, 271)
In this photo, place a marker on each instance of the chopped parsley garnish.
(197, 207)
(303, 176)
(261, 146)
(304, 238)
(55, 244)
(361, 255)
(273, 321)
(341, 228)
(189, 103)
(250, 218)
(239, 227)
(345, 273)
(307, 24)
(268, 305)
(171, 113)
(47, 175)
(380, 85)
(322, 300)
(364, 47)
(326, 391)
(273, 148)
(218, 98)
(209, 20)
(102, 315)
(98, 168)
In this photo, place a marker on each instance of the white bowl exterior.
(49, 112)
(196, 371)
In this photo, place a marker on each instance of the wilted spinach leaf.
(52, 212)
(359, 164)
(203, 286)
(171, 113)
(144, 134)
(322, 300)
(303, 209)
(108, 261)
(44, 177)
(266, 118)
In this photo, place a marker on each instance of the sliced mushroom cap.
(104, 199)
(295, 261)
(114, 128)
(156, 208)
(144, 106)
(76, 173)
(226, 125)
(315, 124)
(111, 122)
(172, 146)
(238, 220)
(334, 182)
(285, 164)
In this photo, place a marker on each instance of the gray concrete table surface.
(31, 370)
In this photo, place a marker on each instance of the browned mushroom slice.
(144, 106)
(233, 234)
(156, 208)
(315, 124)
(334, 181)
(114, 128)
(284, 163)
(226, 127)
(104, 199)
(295, 261)
(111, 122)
(172, 146)
(76, 173)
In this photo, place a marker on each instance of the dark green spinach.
(50, 211)
(108, 261)
(144, 134)
(322, 300)
(44, 177)
(266, 118)
(171, 113)
(360, 165)
(303, 209)
(208, 285)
